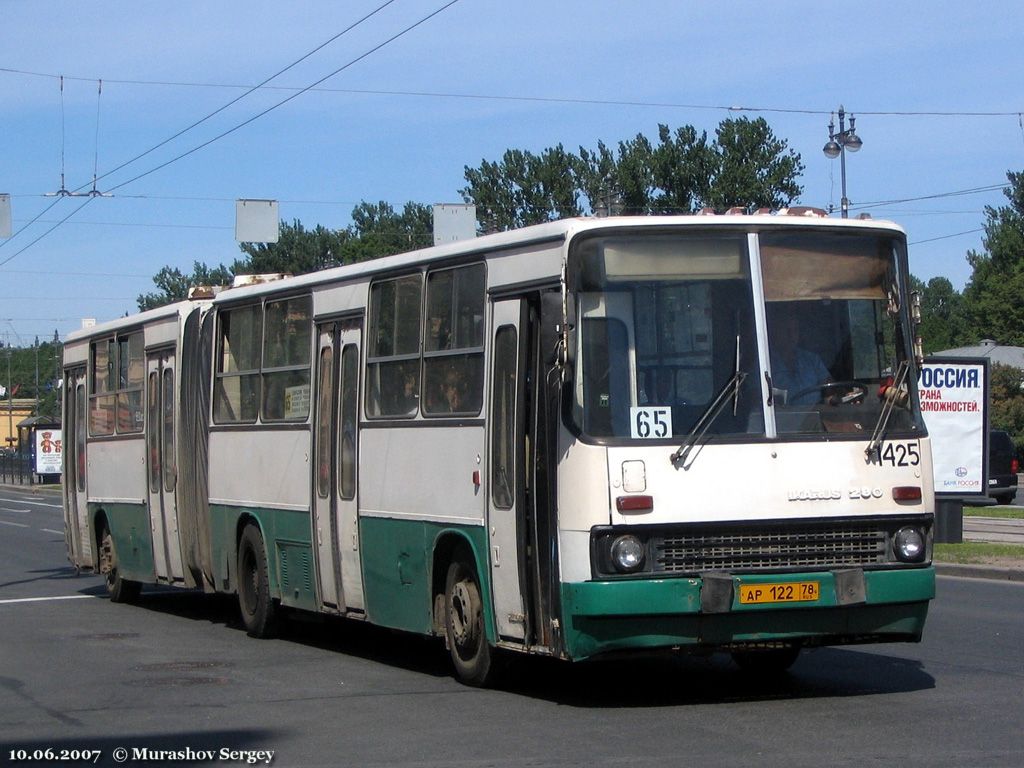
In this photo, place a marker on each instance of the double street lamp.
(838, 143)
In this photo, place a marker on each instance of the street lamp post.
(838, 143)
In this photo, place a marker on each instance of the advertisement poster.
(48, 451)
(954, 400)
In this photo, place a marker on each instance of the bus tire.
(119, 589)
(464, 626)
(770, 661)
(259, 612)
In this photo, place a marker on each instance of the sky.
(410, 99)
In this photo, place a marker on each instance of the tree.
(992, 297)
(296, 252)
(753, 168)
(1007, 400)
(377, 230)
(173, 284)
(523, 188)
(745, 166)
(942, 315)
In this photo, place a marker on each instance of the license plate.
(786, 592)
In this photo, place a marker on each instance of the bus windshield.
(668, 334)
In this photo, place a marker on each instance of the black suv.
(1002, 467)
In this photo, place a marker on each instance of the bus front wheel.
(119, 589)
(259, 613)
(464, 625)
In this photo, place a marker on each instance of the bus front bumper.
(851, 606)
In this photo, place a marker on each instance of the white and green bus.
(593, 436)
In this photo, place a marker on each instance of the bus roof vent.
(204, 291)
(241, 281)
(804, 210)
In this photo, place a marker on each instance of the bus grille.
(772, 546)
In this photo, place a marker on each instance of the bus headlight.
(909, 545)
(627, 553)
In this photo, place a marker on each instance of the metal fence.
(16, 469)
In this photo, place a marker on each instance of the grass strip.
(978, 552)
(1010, 513)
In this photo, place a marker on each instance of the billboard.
(49, 446)
(954, 403)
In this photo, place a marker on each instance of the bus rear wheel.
(768, 661)
(464, 625)
(119, 589)
(259, 613)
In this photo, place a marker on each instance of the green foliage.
(993, 295)
(29, 365)
(745, 166)
(523, 188)
(942, 315)
(173, 284)
(1006, 391)
(296, 251)
(376, 230)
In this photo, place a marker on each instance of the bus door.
(335, 441)
(162, 467)
(76, 524)
(520, 516)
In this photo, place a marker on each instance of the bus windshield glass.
(836, 331)
(667, 340)
(665, 323)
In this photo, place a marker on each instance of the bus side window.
(393, 355)
(286, 359)
(606, 377)
(237, 390)
(453, 344)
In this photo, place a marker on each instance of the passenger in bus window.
(452, 390)
(796, 371)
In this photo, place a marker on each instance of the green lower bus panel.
(133, 540)
(647, 614)
(398, 579)
(288, 540)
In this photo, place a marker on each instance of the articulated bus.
(589, 437)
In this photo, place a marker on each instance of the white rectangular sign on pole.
(954, 403)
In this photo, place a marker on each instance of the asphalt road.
(176, 673)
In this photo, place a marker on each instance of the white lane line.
(50, 530)
(17, 525)
(16, 511)
(44, 599)
(38, 503)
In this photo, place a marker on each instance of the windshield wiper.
(892, 394)
(731, 388)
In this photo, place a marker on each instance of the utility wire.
(250, 90)
(25, 248)
(95, 178)
(555, 99)
(937, 196)
(290, 98)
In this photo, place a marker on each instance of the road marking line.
(50, 530)
(18, 525)
(44, 599)
(39, 503)
(16, 511)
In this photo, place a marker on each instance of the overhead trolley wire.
(281, 103)
(556, 99)
(233, 101)
(256, 87)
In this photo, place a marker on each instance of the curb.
(971, 571)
